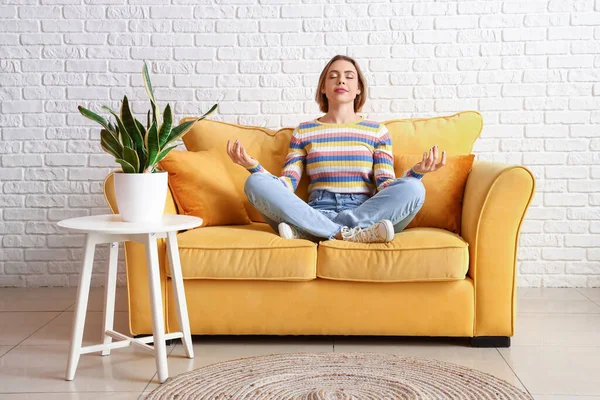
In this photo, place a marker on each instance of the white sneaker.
(381, 232)
(287, 231)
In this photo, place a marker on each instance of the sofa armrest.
(495, 201)
(140, 320)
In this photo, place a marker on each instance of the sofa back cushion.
(455, 134)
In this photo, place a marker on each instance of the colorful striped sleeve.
(411, 172)
(293, 167)
(294, 162)
(383, 159)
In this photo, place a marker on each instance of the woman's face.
(341, 83)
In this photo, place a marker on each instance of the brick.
(575, 200)
(585, 19)
(523, 34)
(542, 267)
(553, 47)
(21, 160)
(24, 214)
(26, 268)
(569, 89)
(584, 186)
(22, 106)
(45, 201)
(239, 108)
(565, 227)
(533, 20)
(259, 40)
(567, 117)
(237, 54)
(11, 254)
(304, 11)
(563, 281)
(477, 7)
(45, 146)
(433, 8)
(500, 21)
(433, 37)
(58, 215)
(105, 26)
(47, 280)
(57, 160)
(584, 213)
(411, 24)
(570, 33)
(563, 254)
(545, 103)
(68, 187)
(571, 61)
(517, 117)
(62, 241)
(11, 174)
(544, 158)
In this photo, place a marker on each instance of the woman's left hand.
(428, 164)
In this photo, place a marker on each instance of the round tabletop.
(112, 223)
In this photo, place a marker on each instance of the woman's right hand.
(238, 154)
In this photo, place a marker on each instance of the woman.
(353, 192)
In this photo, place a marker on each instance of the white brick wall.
(531, 68)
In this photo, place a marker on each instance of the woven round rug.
(335, 376)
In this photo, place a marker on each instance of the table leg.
(109, 294)
(158, 322)
(180, 302)
(83, 290)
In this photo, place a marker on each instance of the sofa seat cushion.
(417, 254)
(251, 251)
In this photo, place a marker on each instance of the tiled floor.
(555, 353)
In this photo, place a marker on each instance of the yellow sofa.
(245, 279)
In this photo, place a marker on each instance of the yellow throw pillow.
(444, 191)
(201, 187)
(269, 147)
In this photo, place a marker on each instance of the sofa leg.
(490, 341)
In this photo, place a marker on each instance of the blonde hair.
(359, 100)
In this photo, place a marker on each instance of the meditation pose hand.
(428, 164)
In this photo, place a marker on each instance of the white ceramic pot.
(141, 197)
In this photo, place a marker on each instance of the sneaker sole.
(389, 230)
(285, 231)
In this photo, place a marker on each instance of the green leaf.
(152, 145)
(131, 126)
(148, 121)
(212, 110)
(150, 92)
(180, 130)
(165, 128)
(112, 127)
(131, 156)
(164, 153)
(127, 168)
(111, 144)
(124, 135)
(94, 117)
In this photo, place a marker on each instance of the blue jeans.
(327, 212)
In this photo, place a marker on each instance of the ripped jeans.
(327, 212)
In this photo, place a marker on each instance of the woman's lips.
(340, 90)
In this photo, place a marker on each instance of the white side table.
(110, 229)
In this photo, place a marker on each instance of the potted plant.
(140, 187)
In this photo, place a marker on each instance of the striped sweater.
(354, 157)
